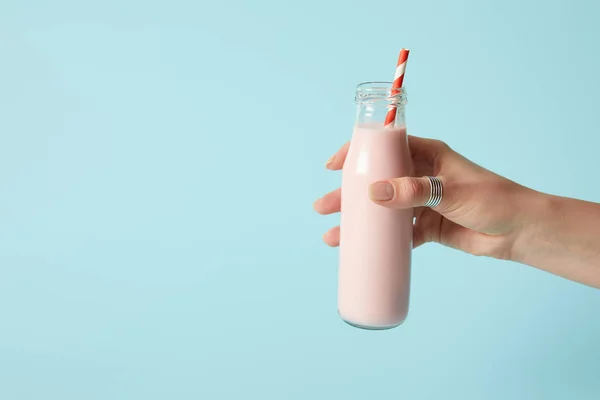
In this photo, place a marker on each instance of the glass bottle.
(375, 242)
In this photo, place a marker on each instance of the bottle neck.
(374, 100)
(376, 115)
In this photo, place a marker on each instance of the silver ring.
(435, 197)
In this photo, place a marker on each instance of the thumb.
(402, 193)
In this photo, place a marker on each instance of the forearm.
(562, 237)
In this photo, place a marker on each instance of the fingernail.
(382, 191)
(330, 161)
(316, 203)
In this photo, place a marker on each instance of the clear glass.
(375, 99)
(375, 241)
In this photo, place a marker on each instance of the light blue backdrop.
(158, 164)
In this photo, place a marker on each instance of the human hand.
(481, 212)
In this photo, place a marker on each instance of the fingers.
(418, 236)
(332, 237)
(336, 162)
(419, 211)
(432, 227)
(403, 193)
(427, 224)
(330, 203)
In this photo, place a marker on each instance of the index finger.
(336, 162)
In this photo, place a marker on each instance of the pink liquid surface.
(375, 242)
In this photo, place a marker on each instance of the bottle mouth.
(380, 92)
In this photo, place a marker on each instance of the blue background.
(158, 164)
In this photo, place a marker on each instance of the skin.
(485, 214)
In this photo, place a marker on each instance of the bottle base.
(370, 327)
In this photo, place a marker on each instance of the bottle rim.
(380, 92)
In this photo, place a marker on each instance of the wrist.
(533, 224)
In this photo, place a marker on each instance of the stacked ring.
(435, 197)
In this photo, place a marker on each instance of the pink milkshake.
(375, 242)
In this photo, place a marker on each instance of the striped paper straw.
(390, 118)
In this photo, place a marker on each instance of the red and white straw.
(396, 85)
